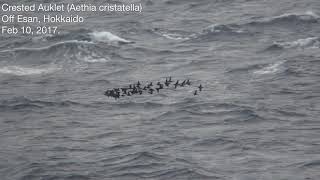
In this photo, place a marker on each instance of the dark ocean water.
(256, 119)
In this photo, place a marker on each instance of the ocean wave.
(71, 51)
(107, 37)
(168, 173)
(303, 66)
(181, 173)
(310, 42)
(134, 158)
(81, 45)
(245, 69)
(34, 175)
(244, 116)
(23, 71)
(174, 36)
(84, 35)
(68, 43)
(151, 165)
(313, 163)
(220, 31)
(270, 69)
(139, 105)
(216, 141)
(176, 115)
(246, 28)
(90, 59)
(223, 28)
(18, 103)
(258, 68)
(90, 56)
(69, 55)
(177, 35)
(307, 17)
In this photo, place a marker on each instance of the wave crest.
(270, 69)
(107, 37)
(223, 28)
(307, 17)
(174, 34)
(23, 71)
(311, 42)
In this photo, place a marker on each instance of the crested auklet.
(200, 87)
(188, 82)
(195, 92)
(183, 83)
(176, 84)
(138, 88)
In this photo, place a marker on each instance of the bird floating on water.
(139, 89)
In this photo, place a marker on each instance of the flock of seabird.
(139, 89)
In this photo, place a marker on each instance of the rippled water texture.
(256, 118)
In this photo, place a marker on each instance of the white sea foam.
(107, 37)
(94, 60)
(270, 69)
(308, 15)
(221, 28)
(24, 71)
(312, 42)
(305, 16)
(90, 56)
(174, 36)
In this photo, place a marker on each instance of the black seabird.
(135, 90)
(117, 95)
(188, 82)
(176, 84)
(200, 87)
(110, 93)
(124, 90)
(183, 83)
(160, 86)
(107, 93)
(167, 83)
(195, 93)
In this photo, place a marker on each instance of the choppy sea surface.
(257, 117)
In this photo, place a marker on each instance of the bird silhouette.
(195, 92)
(200, 87)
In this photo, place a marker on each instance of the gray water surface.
(256, 118)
